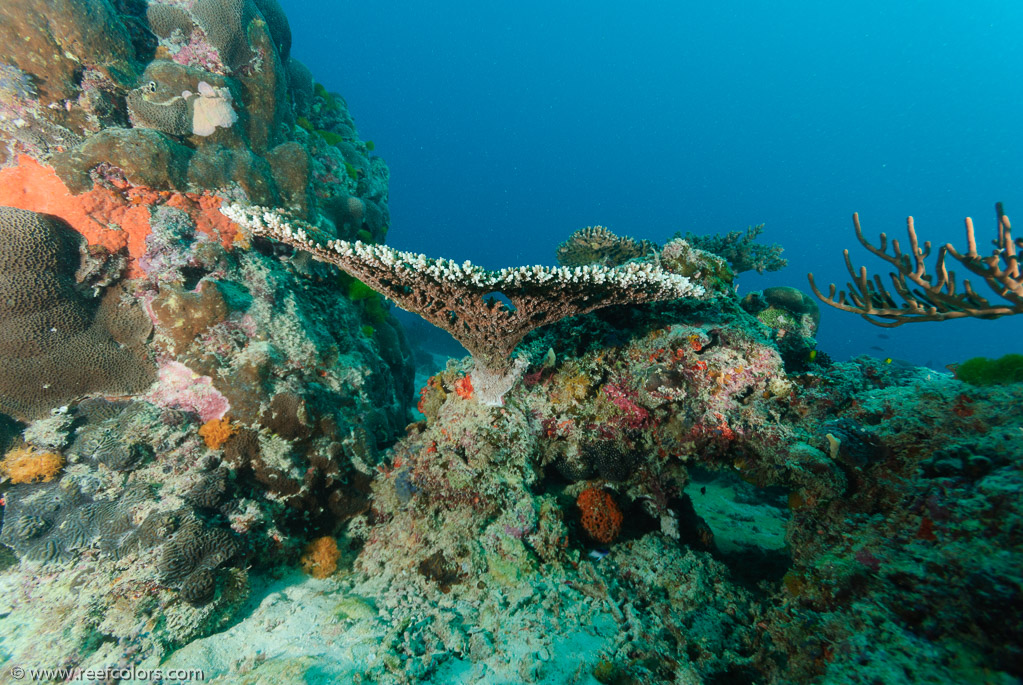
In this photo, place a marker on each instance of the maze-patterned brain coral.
(191, 556)
(56, 344)
(52, 522)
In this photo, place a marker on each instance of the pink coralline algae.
(199, 52)
(635, 415)
(181, 388)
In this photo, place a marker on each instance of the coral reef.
(626, 424)
(793, 316)
(190, 98)
(173, 414)
(199, 473)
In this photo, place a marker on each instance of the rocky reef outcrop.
(180, 404)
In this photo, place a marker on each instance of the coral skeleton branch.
(932, 296)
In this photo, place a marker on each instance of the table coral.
(144, 517)
(459, 297)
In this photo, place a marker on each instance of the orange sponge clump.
(463, 386)
(601, 517)
(112, 217)
(25, 465)
(216, 432)
(320, 558)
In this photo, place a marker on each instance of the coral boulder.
(56, 342)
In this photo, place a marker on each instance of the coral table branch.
(932, 296)
(460, 297)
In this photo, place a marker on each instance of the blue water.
(509, 125)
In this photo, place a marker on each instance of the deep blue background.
(509, 125)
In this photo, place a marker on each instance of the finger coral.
(932, 296)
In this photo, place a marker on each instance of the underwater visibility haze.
(406, 342)
(508, 127)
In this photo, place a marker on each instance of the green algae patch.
(984, 371)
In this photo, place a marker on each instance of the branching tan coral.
(460, 297)
(932, 296)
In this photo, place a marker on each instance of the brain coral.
(56, 344)
(51, 522)
(181, 100)
(149, 107)
(191, 556)
(226, 25)
(111, 441)
(164, 20)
